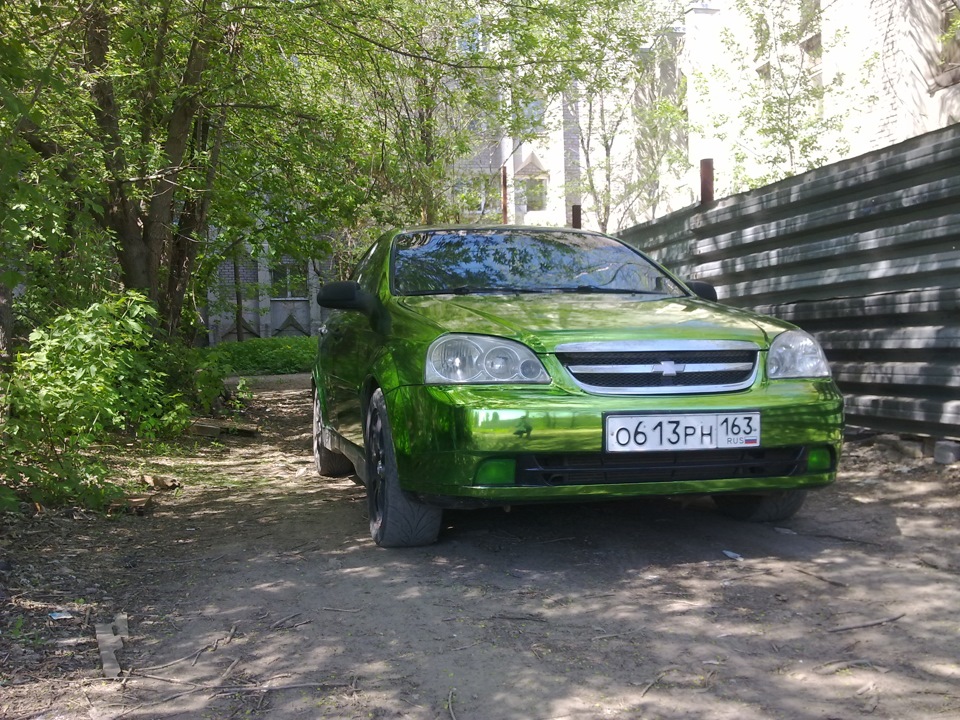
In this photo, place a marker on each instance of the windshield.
(487, 261)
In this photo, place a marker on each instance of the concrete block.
(946, 452)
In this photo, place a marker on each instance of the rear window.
(489, 261)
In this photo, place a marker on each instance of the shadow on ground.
(256, 591)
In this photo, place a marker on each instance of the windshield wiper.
(470, 290)
(473, 290)
(602, 289)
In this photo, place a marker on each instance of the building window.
(765, 75)
(534, 194)
(950, 35)
(812, 49)
(946, 72)
(810, 12)
(288, 280)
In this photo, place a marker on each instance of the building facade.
(875, 73)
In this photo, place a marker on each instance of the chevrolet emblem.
(669, 368)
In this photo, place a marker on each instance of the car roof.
(489, 228)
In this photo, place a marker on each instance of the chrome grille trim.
(665, 376)
(626, 346)
(641, 369)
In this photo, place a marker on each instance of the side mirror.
(347, 295)
(703, 289)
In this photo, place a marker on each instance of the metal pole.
(505, 217)
(706, 181)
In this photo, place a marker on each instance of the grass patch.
(266, 356)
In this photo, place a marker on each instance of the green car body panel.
(466, 444)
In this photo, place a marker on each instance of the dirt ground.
(254, 591)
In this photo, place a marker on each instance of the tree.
(453, 85)
(48, 252)
(783, 126)
(660, 131)
(628, 106)
(142, 143)
(137, 110)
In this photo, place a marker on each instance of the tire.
(778, 505)
(396, 520)
(329, 463)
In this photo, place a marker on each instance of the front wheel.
(396, 520)
(777, 505)
(328, 462)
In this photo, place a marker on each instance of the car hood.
(543, 321)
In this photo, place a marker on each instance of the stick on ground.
(453, 715)
(867, 624)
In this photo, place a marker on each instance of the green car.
(491, 366)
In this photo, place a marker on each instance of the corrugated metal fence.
(864, 255)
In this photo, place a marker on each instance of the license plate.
(643, 433)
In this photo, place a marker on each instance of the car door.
(345, 352)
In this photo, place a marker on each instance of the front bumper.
(511, 444)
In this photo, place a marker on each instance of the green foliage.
(147, 142)
(89, 374)
(241, 396)
(950, 37)
(97, 370)
(266, 356)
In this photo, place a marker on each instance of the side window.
(367, 270)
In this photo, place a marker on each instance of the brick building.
(278, 299)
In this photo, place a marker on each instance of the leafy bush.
(266, 356)
(87, 374)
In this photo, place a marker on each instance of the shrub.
(266, 356)
(87, 374)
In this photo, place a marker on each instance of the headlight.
(794, 354)
(481, 359)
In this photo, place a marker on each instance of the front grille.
(625, 380)
(692, 357)
(621, 468)
(657, 367)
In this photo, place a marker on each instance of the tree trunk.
(6, 329)
(142, 237)
(6, 345)
(121, 212)
(158, 224)
(238, 289)
(192, 229)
